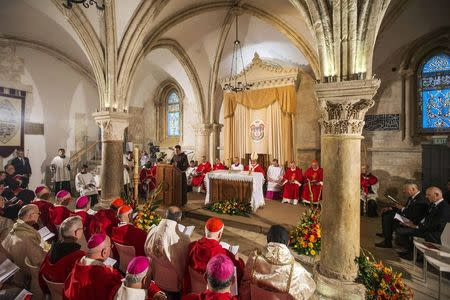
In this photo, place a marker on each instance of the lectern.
(171, 177)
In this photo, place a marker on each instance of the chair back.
(261, 293)
(56, 289)
(165, 275)
(126, 253)
(445, 236)
(198, 281)
(35, 289)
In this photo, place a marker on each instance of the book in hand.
(91, 212)
(187, 230)
(110, 261)
(401, 218)
(7, 269)
(232, 249)
(24, 294)
(45, 233)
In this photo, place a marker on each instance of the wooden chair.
(198, 281)
(261, 293)
(126, 253)
(34, 286)
(165, 275)
(56, 289)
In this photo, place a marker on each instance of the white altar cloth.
(256, 178)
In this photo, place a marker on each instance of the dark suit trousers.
(409, 233)
(388, 224)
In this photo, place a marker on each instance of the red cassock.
(315, 177)
(86, 219)
(59, 271)
(199, 254)
(210, 295)
(148, 177)
(57, 214)
(202, 169)
(291, 189)
(93, 282)
(367, 181)
(257, 169)
(130, 235)
(44, 208)
(219, 167)
(103, 222)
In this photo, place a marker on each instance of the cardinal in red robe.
(367, 180)
(218, 165)
(82, 205)
(291, 184)
(105, 219)
(41, 201)
(127, 234)
(147, 177)
(201, 251)
(219, 277)
(90, 278)
(63, 255)
(198, 179)
(59, 212)
(313, 183)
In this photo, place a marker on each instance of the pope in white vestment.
(275, 175)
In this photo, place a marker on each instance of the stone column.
(342, 106)
(214, 141)
(112, 126)
(407, 111)
(202, 132)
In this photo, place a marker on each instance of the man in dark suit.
(431, 226)
(22, 166)
(414, 210)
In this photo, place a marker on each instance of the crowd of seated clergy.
(166, 265)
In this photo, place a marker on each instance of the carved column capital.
(343, 105)
(203, 129)
(112, 124)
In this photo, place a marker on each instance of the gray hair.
(26, 210)
(174, 213)
(411, 184)
(131, 279)
(69, 226)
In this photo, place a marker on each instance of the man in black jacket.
(414, 210)
(431, 226)
(22, 166)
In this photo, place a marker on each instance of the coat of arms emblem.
(257, 130)
(9, 121)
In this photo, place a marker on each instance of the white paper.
(45, 233)
(187, 230)
(232, 249)
(401, 218)
(234, 286)
(91, 212)
(7, 269)
(135, 215)
(110, 261)
(23, 294)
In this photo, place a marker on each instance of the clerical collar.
(438, 202)
(315, 169)
(415, 195)
(236, 165)
(62, 156)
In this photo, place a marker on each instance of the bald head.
(174, 213)
(29, 213)
(100, 252)
(434, 194)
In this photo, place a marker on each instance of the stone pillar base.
(330, 288)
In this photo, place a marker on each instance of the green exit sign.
(439, 139)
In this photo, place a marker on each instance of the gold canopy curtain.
(280, 105)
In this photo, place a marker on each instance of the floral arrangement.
(305, 237)
(147, 217)
(231, 207)
(381, 282)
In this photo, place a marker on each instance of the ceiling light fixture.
(86, 3)
(232, 84)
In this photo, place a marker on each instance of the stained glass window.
(173, 114)
(434, 94)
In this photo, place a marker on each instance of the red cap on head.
(138, 265)
(124, 209)
(96, 239)
(118, 202)
(41, 190)
(61, 195)
(314, 161)
(220, 267)
(81, 202)
(214, 224)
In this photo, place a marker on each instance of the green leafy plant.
(231, 207)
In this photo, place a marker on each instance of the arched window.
(173, 114)
(433, 109)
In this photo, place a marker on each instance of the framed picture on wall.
(12, 112)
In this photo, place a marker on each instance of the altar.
(226, 185)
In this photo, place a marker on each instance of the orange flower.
(312, 238)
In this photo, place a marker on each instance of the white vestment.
(60, 167)
(274, 178)
(85, 184)
(167, 246)
(238, 167)
(190, 172)
(127, 293)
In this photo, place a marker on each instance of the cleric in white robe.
(275, 175)
(275, 269)
(190, 172)
(168, 246)
(237, 166)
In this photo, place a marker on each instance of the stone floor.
(248, 233)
